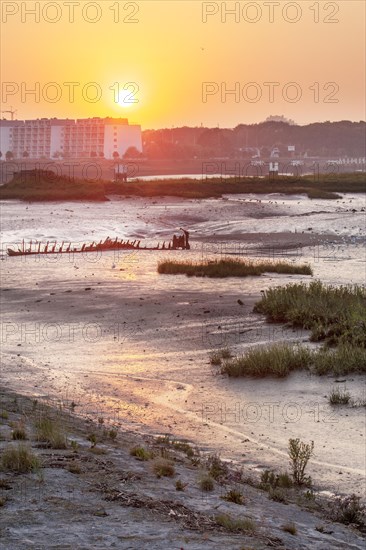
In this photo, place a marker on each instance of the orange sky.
(169, 52)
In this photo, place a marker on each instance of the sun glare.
(126, 99)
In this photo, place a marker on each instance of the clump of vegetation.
(300, 454)
(277, 494)
(183, 446)
(339, 396)
(93, 440)
(206, 483)
(281, 359)
(140, 453)
(216, 467)
(19, 459)
(348, 510)
(276, 360)
(269, 479)
(74, 468)
(344, 360)
(242, 525)
(229, 268)
(335, 315)
(74, 445)
(289, 528)
(19, 432)
(113, 434)
(179, 485)
(234, 495)
(216, 356)
(163, 468)
(4, 415)
(50, 431)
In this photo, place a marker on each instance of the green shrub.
(216, 467)
(300, 454)
(348, 510)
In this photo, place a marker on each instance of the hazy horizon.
(184, 63)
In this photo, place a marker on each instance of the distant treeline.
(323, 139)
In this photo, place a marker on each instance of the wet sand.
(130, 345)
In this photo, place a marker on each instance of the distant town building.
(64, 138)
(280, 118)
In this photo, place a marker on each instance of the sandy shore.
(102, 497)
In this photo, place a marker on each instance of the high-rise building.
(65, 138)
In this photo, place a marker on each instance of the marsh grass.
(206, 483)
(216, 467)
(19, 459)
(19, 432)
(184, 447)
(229, 268)
(234, 525)
(234, 495)
(335, 315)
(50, 431)
(277, 360)
(179, 485)
(163, 468)
(290, 527)
(339, 396)
(217, 356)
(345, 359)
(140, 453)
(325, 187)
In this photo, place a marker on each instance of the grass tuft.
(234, 525)
(339, 396)
(140, 453)
(229, 268)
(50, 431)
(335, 315)
(235, 496)
(276, 360)
(163, 468)
(289, 528)
(19, 459)
(206, 483)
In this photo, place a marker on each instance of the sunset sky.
(169, 52)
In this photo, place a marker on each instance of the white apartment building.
(65, 138)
